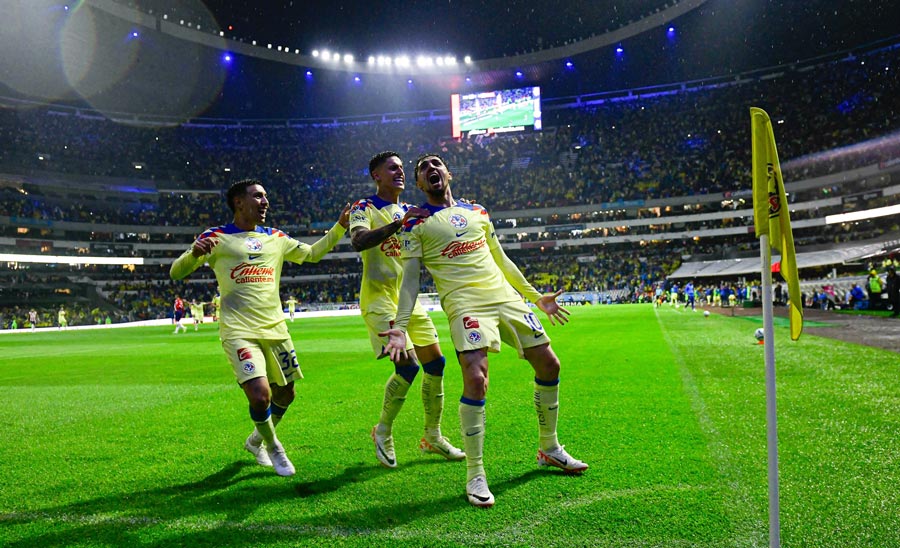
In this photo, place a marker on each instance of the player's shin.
(433, 396)
(394, 396)
(472, 422)
(546, 403)
(264, 426)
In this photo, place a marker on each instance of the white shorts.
(254, 358)
(487, 326)
(420, 331)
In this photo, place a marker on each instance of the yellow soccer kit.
(382, 273)
(248, 266)
(459, 247)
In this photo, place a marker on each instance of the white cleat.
(560, 459)
(258, 451)
(282, 465)
(478, 493)
(384, 449)
(440, 446)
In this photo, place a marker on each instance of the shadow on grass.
(214, 511)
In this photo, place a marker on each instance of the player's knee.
(283, 396)
(435, 367)
(546, 364)
(408, 372)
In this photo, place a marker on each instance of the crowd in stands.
(688, 143)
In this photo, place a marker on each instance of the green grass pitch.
(134, 437)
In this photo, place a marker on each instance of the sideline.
(169, 322)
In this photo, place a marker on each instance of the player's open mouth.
(434, 177)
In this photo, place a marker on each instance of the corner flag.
(770, 209)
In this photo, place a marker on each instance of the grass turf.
(134, 436)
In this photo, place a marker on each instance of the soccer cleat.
(441, 446)
(478, 493)
(384, 449)
(280, 461)
(560, 459)
(258, 451)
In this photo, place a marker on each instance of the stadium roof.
(737, 267)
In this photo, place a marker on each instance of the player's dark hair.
(239, 188)
(422, 157)
(379, 159)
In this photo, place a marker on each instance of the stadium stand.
(618, 193)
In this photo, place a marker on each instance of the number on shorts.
(533, 322)
(288, 360)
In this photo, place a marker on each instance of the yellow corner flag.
(770, 209)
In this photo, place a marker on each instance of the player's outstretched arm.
(305, 253)
(552, 309)
(409, 291)
(193, 258)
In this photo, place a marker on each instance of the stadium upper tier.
(693, 140)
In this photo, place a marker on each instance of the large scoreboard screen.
(496, 111)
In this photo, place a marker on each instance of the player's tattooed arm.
(362, 238)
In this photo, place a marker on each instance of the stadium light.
(569, 64)
(315, 52)
(227, 58)
(348, 58)
(467, 60)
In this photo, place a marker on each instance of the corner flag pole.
(772, 224)
(765, 254)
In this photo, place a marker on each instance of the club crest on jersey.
(249, 367)
(474, 337)
(458, 221)
(253, 244)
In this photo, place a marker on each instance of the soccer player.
(247, 259)
(61, 318)
(478, 285)
(197, 313)
(689, 294)
(178, 307)
(374, 223)
(215, 303)
(32, 318)
(291, 304)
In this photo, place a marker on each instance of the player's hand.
(344, 219)
(204, 246)
(465, 201)
(415, 212)
(551, 308)
(396, 346)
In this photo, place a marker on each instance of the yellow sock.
(433, 402)
(394, 395)
(546, 403)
